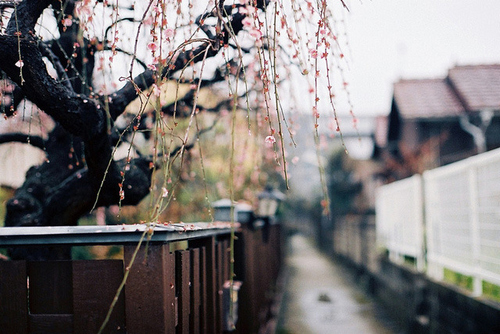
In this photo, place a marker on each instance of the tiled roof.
(478, 86)
(428, 98)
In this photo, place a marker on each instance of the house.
(434, 122)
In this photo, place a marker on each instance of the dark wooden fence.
(166, 291)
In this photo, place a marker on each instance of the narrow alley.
(320, 299)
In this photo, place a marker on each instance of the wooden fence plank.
(50, 287)
(210, 291)
(247, 308)
(194, 323)
(94, 287)
(219, 282)
(183, 276)
(51, 323)
(260, 268)
(74, 297)
(13, 297)
(150, 290)
(203, 290)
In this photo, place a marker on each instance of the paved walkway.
(319, 299)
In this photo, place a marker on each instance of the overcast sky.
(392, 39)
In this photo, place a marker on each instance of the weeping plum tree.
(63, 57)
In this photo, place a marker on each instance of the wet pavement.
(321, 298)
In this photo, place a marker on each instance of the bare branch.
(128, 93)
(34, 141)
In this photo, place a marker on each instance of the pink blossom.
(251, 10)
(83, 8)
(148, 20)
(152, 46)
(313, 53)
(164, 192)
(355, 122)
(168, 33)
(315, 112)
(19, 63)
(5, 99)
(156, 90)
(247, 22)
(67, 22)
(255, 33)
(270, 140)
(152, 67)
(6, 87)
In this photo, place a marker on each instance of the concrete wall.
(418, 304)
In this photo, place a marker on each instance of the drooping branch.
(56, 62)
(208, 49)
(34, 141)
(62, 190)
(76, 113)
(14, 96)
(82, 119)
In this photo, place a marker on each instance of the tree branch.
(77, 114)
(34, 141)
(124, 96)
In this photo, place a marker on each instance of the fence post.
(196, 292)
(477, 284)
(183, 277)
(95, 283)
(207, 246)
(150, 290)
(244, 263)
(433, 236)
(13, 297)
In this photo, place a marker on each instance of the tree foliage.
(141, 77)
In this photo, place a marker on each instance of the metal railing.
(462, 204)
(456, 225)
(400, 220)
(176, 284)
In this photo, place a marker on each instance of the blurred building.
(434, 122)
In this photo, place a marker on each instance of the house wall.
(411, 133)
(456, 144)
(436, 143)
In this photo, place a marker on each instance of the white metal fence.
(462, 219)
(399, 219)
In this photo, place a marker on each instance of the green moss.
(81, 253)
(491, 290)
(463, 281)
(5, 194)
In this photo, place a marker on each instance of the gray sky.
(392, 39)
